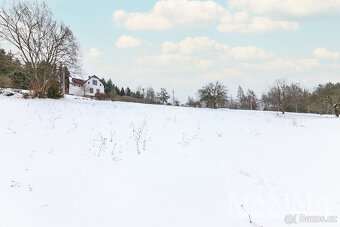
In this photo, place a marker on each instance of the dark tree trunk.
(337, 110)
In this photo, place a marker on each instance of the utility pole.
(144, 95)
(173, 97)
(63, 72)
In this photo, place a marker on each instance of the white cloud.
(249, 52)
(283, 64)
(195, 45)
(92, 55)
(205, 64)
(255, 25)
(324, 53)
(221, 74)
(199, 54)
(127, 42)
(175, 61)
(168, 14)
(141, 21)
(289, 7)
(206, 46)
(170, 47)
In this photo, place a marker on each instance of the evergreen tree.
(11, 72)
(122, 92)
(326, 99)
(138, 95)
(117, 90)
(128, 91)
(109, 87)
(7, 64)
(163, 95)
(104, 84)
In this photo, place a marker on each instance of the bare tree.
(241, 98)
(232, 103)
(214, 95)
(42, 42)
(177, 102)
(280, 94)
(252, 101)
(150, 96)
(192, 102)
(297, 95)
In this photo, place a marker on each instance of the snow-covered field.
(74, 162)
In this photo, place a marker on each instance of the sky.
(182, 45)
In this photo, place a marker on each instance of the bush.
(5, 82)
(100, 96)
(128, 99)
(54, 92)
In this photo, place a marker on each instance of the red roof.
(77, 81)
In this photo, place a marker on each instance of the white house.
(89, 87)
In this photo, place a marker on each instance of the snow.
(79, 162)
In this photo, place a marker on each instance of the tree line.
(141, 95)
(281, 96)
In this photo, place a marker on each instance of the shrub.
(100, 96)
(5, 82)
(54, 92)
(128, 99)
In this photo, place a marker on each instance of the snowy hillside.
(76, 162)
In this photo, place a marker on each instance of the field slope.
(76, 162)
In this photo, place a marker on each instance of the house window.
(98, 91)
(91, 90)
(94, 82)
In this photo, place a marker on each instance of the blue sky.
(182, 44)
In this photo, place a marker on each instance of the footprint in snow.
(258, 180)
